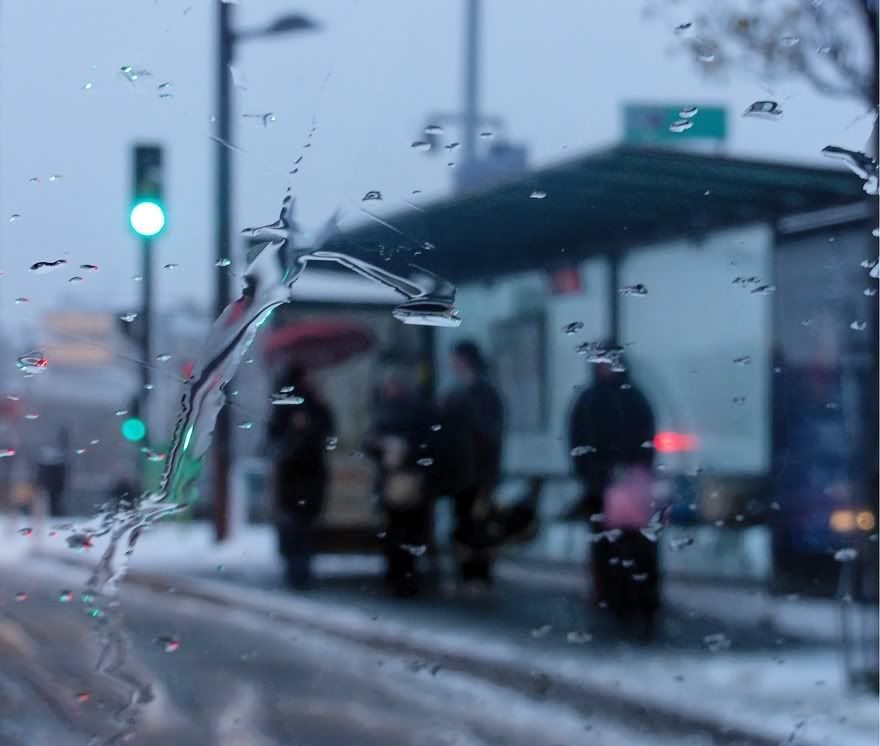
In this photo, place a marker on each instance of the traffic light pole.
(222, 446)
(146, 326)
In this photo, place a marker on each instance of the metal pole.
(222, 436)
(146, 339)
(614, 297)
(471, 80)
(146, 327)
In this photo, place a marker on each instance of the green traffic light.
(147, 218)
(134, 429)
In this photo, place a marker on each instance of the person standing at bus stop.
(611, 433)
(399, 442)
(299, 426)
(473, 421)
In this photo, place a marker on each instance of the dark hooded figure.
(473, 417)
(611, 431)
(399, 441)
(298, 433)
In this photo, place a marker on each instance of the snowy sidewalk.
(795, 692)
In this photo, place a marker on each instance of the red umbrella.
(319, 344)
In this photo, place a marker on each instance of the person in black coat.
(473, 420)
(298, 433)
(611, 427)
(399, 441)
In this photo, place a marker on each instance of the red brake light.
(671, 442)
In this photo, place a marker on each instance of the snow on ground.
(801, 693)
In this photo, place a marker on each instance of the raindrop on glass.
(744, 360)
(676, 545)
(43, 267)
(128, 317)
(331, 443)
(538, 194)
(573, 327)
(7, 452)
(21, 596)
(420, 145)
(22, 299)
(373, 194)
(433, 129)
(169, 644)
(859, 326)
(416, 550)
(539, 633)
(15, 216)
(164, 90)
(170, 267)
(681, 125)
(486, 135)
(764, 110)
(861, 164)
(689, 112)
(65, 597)
(717, 643)
(637, 289)
(425, 461)
(121, 412)
(75, 280)
(845, 555)
(224, 262)
(89, 267)
(452, 146)
(32, 416)
(286, 398)
(245, 425)
(582, 450)
(578, 638)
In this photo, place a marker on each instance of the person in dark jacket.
(299, 426)
(399, 440)
(611, 428)
(473, 417)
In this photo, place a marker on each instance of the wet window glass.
(470, 372)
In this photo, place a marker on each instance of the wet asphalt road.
(240, 678)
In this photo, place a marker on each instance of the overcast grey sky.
(557, 72)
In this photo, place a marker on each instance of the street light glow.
(147, 218)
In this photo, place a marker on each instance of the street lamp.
(226, 40)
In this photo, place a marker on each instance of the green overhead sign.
(644, 124)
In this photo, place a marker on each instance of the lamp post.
(226, 42)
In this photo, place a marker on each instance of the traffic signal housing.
(146, 215)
